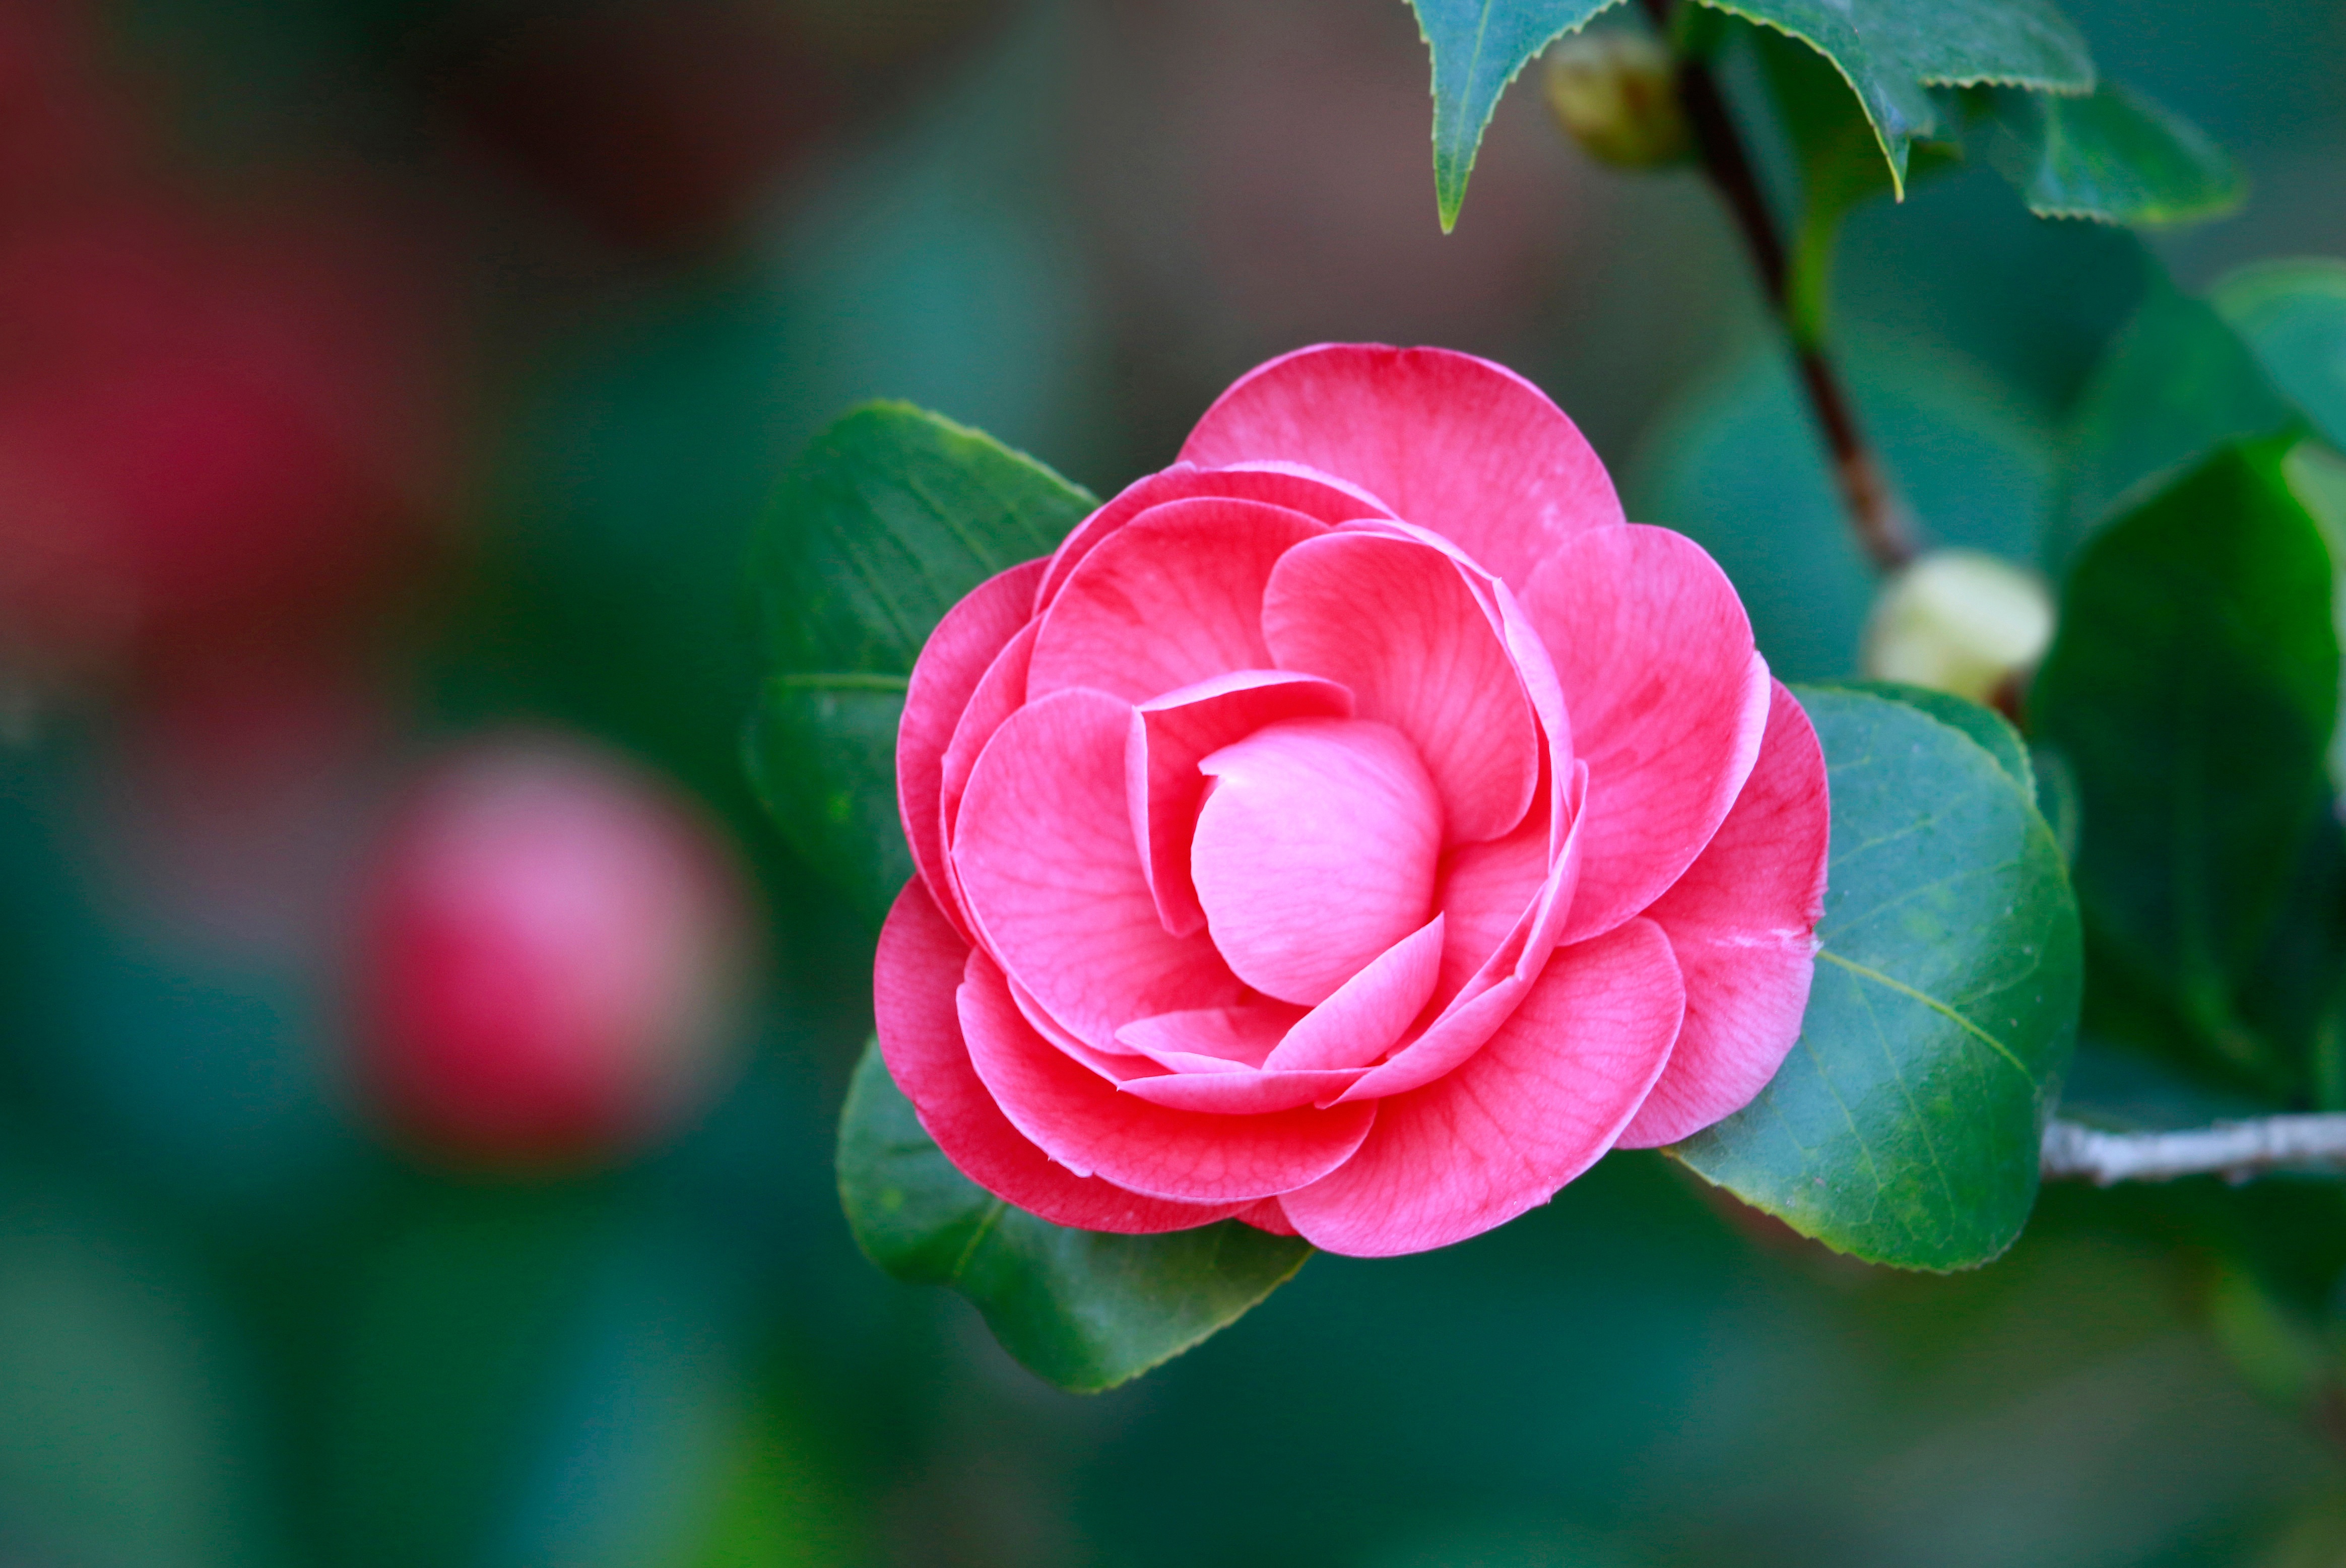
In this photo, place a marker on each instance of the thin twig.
(1883, 528)
(2233, 1150)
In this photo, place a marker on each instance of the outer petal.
(1171, 734)
(1668, 699)
(1534, 1108)
(1174, 599)
(1742, 922)
(1044, 850)
(1320, 495)
(1459, 444)
(957, 657)
(1267, 1216)
(914, 976)
(998, 696)
(1095, 1128)
(1397, 622)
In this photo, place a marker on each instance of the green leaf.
(889, 518)
(1841, 166)
(2293, 316)
(1903, 1128)
(1478, 47)
(1989, 729)
(2115, 156)
(821, 754)
(2176, 384)
(1083, 1309)
(1890, 52)
(2192, 688)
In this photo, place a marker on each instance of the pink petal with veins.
(1096, 1129)
(1669, 701)
(1536, 1105)
(1000, 694)
(1174, 597)
(1297, 488)
(955, 658)
(1315, 851)
(1171, 734)
(1045, 853)
(1368, 1013)
(1399, 624)
(1742, 922)
(1455, 444)
(915, 974)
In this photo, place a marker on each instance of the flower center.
(1316, 849)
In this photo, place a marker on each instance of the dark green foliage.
(1903, 1128)
(2192, 690)
(2115, 156)
(1083, 1309)
(890, 517)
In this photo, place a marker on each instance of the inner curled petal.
(1315, 851)
(1395, 621)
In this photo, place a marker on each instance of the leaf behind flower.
(886, 521)
(1083, 1309)
(1905, 1126)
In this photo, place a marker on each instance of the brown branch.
(1883, 527)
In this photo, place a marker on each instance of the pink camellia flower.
(1355, 829)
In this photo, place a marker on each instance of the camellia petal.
(998, 696)
(1175, 597)
(1536, 1107)
(1398, 625)
(1095, 1128)
(1367, 1015)
(1249, 1092)
(1742, 923)
(1668, 701)
(1450, 442)
(1298, 489)
(955, 658)
(1212, 1039)
(1266, 1215)
(1171, 734)
(1315, 851)
(1045, 853)
(915, 974)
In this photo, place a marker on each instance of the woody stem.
(1876, 515)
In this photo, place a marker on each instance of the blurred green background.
(379, 378)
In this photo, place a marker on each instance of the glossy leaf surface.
(2293, 316)
(1892, 52)
(1992, 731)
(1903, 1128)
(886, 521)
(2115, 156)
(1478, 47)
(2176, 384)
(1083, 1309)
(2192, 690)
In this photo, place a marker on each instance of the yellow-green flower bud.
(1615, 94)
(1961, 622)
